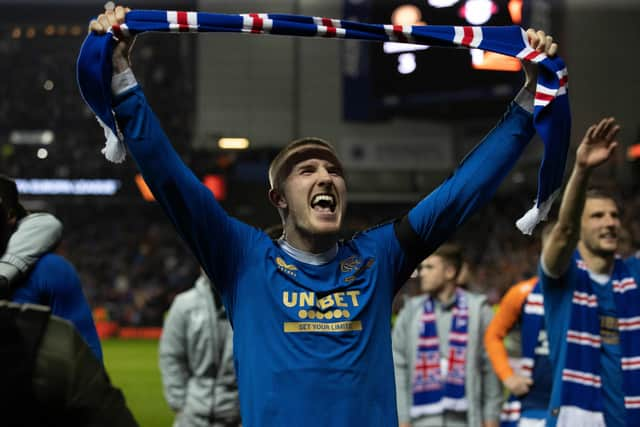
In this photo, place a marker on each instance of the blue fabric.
(558, 297)
(552, 116)
(633, 264)
(532, 323)
(534, 344)
(55, 283)
(610, 369)
(557, 311)
(333, 367)
(537, 414)
(95, 61)
(533, 336)
(484, 168)
(540, 391)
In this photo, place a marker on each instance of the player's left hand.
(542, 43)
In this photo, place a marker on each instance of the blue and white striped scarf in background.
(435, 391)
(532, 322)
(582, 401)
(552, 118)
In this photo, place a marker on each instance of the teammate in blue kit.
(311, 314)
(46, 278)
(24, 237)
(591, 299)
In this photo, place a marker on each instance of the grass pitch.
(133, 368)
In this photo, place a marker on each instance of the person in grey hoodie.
(443, 375)
(28, 237)
(196, 360)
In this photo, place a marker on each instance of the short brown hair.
(452, 254)
(281, 165)
(600, 193)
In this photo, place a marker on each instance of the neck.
(597, 263)
(446, 293)
(313, 244)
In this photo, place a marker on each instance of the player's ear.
(277, 199)
(450, 272)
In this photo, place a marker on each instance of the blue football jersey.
(312, 343)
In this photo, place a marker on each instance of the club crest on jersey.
(289, 269)
(350, 264)
(360, 269)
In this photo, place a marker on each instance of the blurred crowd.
(134, 268)
(44, 97)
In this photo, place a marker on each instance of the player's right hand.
(598, 143)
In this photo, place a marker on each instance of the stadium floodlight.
(406, 63)
(442, 3)
(42, 153)
(32, 137)
(233, 143)
(478, 12)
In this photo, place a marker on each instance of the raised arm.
(596, 148)
(477, 178)
(216, 239)
(36, 234)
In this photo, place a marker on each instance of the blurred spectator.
(196, 360)
(443, 376)
(50, 376)
(41, 277)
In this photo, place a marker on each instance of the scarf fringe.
(427, 409)
(536, 214)
(114, 149)
(444, 404)
(457, 405)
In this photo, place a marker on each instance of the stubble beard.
(599, 251)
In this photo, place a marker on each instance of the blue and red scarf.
(552, 118)
(434, 392)
(581, 402)
(532, 320)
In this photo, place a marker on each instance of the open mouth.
(324, 203)
(609, 236)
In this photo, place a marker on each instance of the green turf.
(133, 368)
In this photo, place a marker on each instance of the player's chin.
(609, 243)
(326, 227)
(608, 249)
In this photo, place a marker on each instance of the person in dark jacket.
(50, 376)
